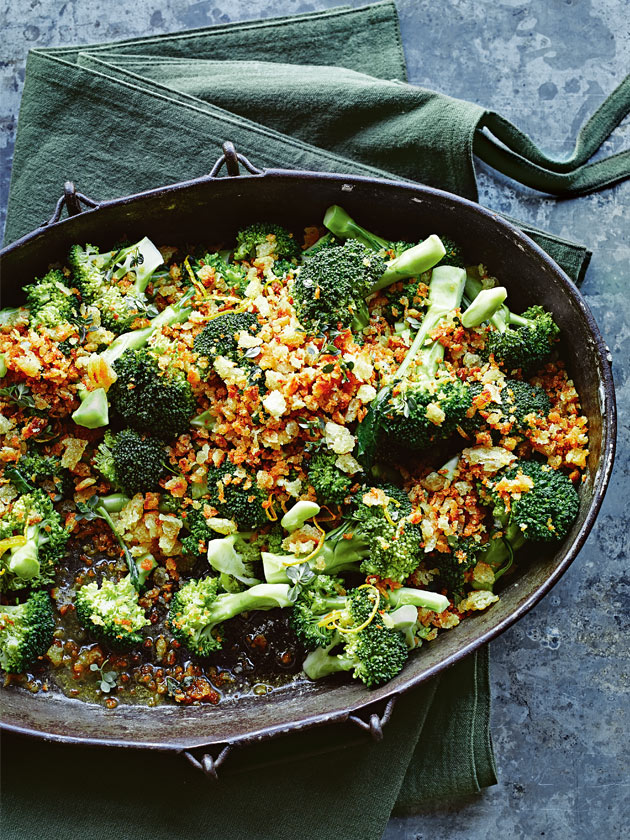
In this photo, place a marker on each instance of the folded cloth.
(120, 118)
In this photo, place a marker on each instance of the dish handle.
(209, 765)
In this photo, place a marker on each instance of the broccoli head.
(543, 512)
(425, 402)
(43, 471)
(331, 484)
(316, 598)
(197, 611)
(519, 403)
(111, 612)
(220, 336)
(130, 461)
(32, 541)
(522, 341)
(454, 255)
(373, 652)
(234, 493)
(380, 517)
(26, 632)
(149, 399)
(234, 277)
(271, 238)
(331, 286)
(453, 565)
(236, 558)
(50, 301)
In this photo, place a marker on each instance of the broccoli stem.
(502, 317)
(319, 663)
(24, 559)
(412, 262)
(114, 503)
(484, 306)
(301, 511)
(143, 258)
(445, 294)
(3, 366)
(342, 225)
(263, 596)
(408, 596)
(94, 409)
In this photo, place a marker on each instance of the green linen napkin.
(119, 118)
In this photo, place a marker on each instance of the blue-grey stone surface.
(560, 677)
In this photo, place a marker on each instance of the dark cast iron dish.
(214, 208)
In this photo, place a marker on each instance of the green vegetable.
(26, 632)
(93, 411)
(248, 240)
(220, 336)
(149, 399)
(374, 653)
(130, 461)
(331, 485)
(40, 543)
(50, 301)
(197, 611)
(298, 515)
(111, 612)
(425, 402)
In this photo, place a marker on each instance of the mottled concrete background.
(561, 676)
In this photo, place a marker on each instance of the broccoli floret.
(318, 596)
(149, 399)
(261, 233)
(43, 471)
(197, 611)
(332, 285)
(26, 632)
(235, 494)
(33, 540)
(130, 461)
(50, 301)
(331, 484)
(379, 516)
(375, 538)
(373, 652)
(236, 558)
(547, 510)
(234, 276)
(111, 612)
(463, 555)
(522, 342)
(402, 296)
(93, 271)
(98, 277)
(543, 513)
(93, 413)
(520, 402)
(220, 336)
(425, 402)
(453, 255)
(199, 533)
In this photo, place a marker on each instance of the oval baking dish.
(219, 207)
